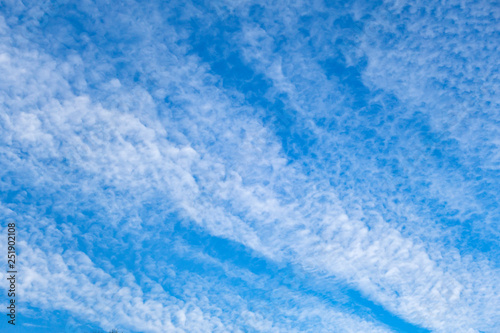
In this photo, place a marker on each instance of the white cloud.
(210, 157)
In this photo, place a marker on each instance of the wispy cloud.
(308, 136)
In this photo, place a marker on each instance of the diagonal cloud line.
(224, 193)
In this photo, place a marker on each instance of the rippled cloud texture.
(236, 166)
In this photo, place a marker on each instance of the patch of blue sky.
(239, 166)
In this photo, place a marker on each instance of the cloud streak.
(286, 130)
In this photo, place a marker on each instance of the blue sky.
(242, 166)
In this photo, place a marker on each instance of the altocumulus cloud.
(252, 167)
